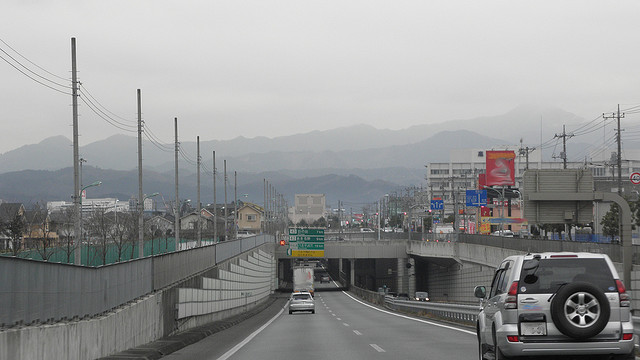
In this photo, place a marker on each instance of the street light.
(79, 236)
(141, 224)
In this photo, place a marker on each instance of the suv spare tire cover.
(580, 300)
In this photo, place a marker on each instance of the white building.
(309, 207)
(90, 205)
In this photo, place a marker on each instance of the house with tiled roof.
(250, 218)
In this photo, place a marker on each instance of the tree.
(302, 223)
(65, 229)
(119, 232)
(40, 231)
(427, 223)
(322, 222)
(610, 221)
(99, 225)
(16, 228)
(395, 221)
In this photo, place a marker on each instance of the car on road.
(550, 304)
(301, 301)
(403, 296)
(367, 230)
(503, 233)
(325, 278)
(422, 296)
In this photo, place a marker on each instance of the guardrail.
(466, 314)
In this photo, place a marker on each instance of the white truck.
(303, 279)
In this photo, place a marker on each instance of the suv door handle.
(529, 300)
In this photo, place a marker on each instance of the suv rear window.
(551, 273)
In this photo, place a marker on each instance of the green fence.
(96, 255)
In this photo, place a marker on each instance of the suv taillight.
(511, 301)
(625, 299)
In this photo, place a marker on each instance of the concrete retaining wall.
(134, 324)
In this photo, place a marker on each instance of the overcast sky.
(271, 68)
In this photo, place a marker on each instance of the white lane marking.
(357, 332)
(244, 342)
(338, 319)
(333, 314)
(378, 348)
(410, 318)
(345, 324)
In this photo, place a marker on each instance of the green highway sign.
(312, 238)
(296, 231)
(306, 242)
(306, 246)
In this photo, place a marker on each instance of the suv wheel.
(580, 310)
(482, 347)
(498, 355)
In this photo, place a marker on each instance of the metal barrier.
(38, 292)
(466, 314)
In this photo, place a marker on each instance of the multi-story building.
(309, 207)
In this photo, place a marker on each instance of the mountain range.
(357, 164)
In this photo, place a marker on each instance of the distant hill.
(32, 186)
(352, 162)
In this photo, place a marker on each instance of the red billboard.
(482, 181)
(500, 168)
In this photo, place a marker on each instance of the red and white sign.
(635, 178)
(500, 168)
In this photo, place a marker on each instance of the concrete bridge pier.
(406, 278)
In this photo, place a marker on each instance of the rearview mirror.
(480, 292)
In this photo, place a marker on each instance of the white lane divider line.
(338, 319)
(345, 324)
(357, 332)
(410, 318)
(244, 342)
(333, 314)
(378, 348)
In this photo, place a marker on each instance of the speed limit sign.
(635, 178)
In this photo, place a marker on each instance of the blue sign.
(437, 204)
(476, 198)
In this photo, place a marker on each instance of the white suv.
(555, 304)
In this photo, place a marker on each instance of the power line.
(34, 79)
(34, 64)
(83, 89)
(100, 115)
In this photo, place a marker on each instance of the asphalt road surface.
(343, 327)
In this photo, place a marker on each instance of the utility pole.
(618, 116)
(140, 194)
(225, 202)
(564, 137)
(176, 212)
(215, 203)
(264, 209)
(199, 207)
(525, 151)
(235, 203)
(76, 156)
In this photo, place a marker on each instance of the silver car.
(555, 304)
(301, 301)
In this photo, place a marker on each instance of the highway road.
(343, 327)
